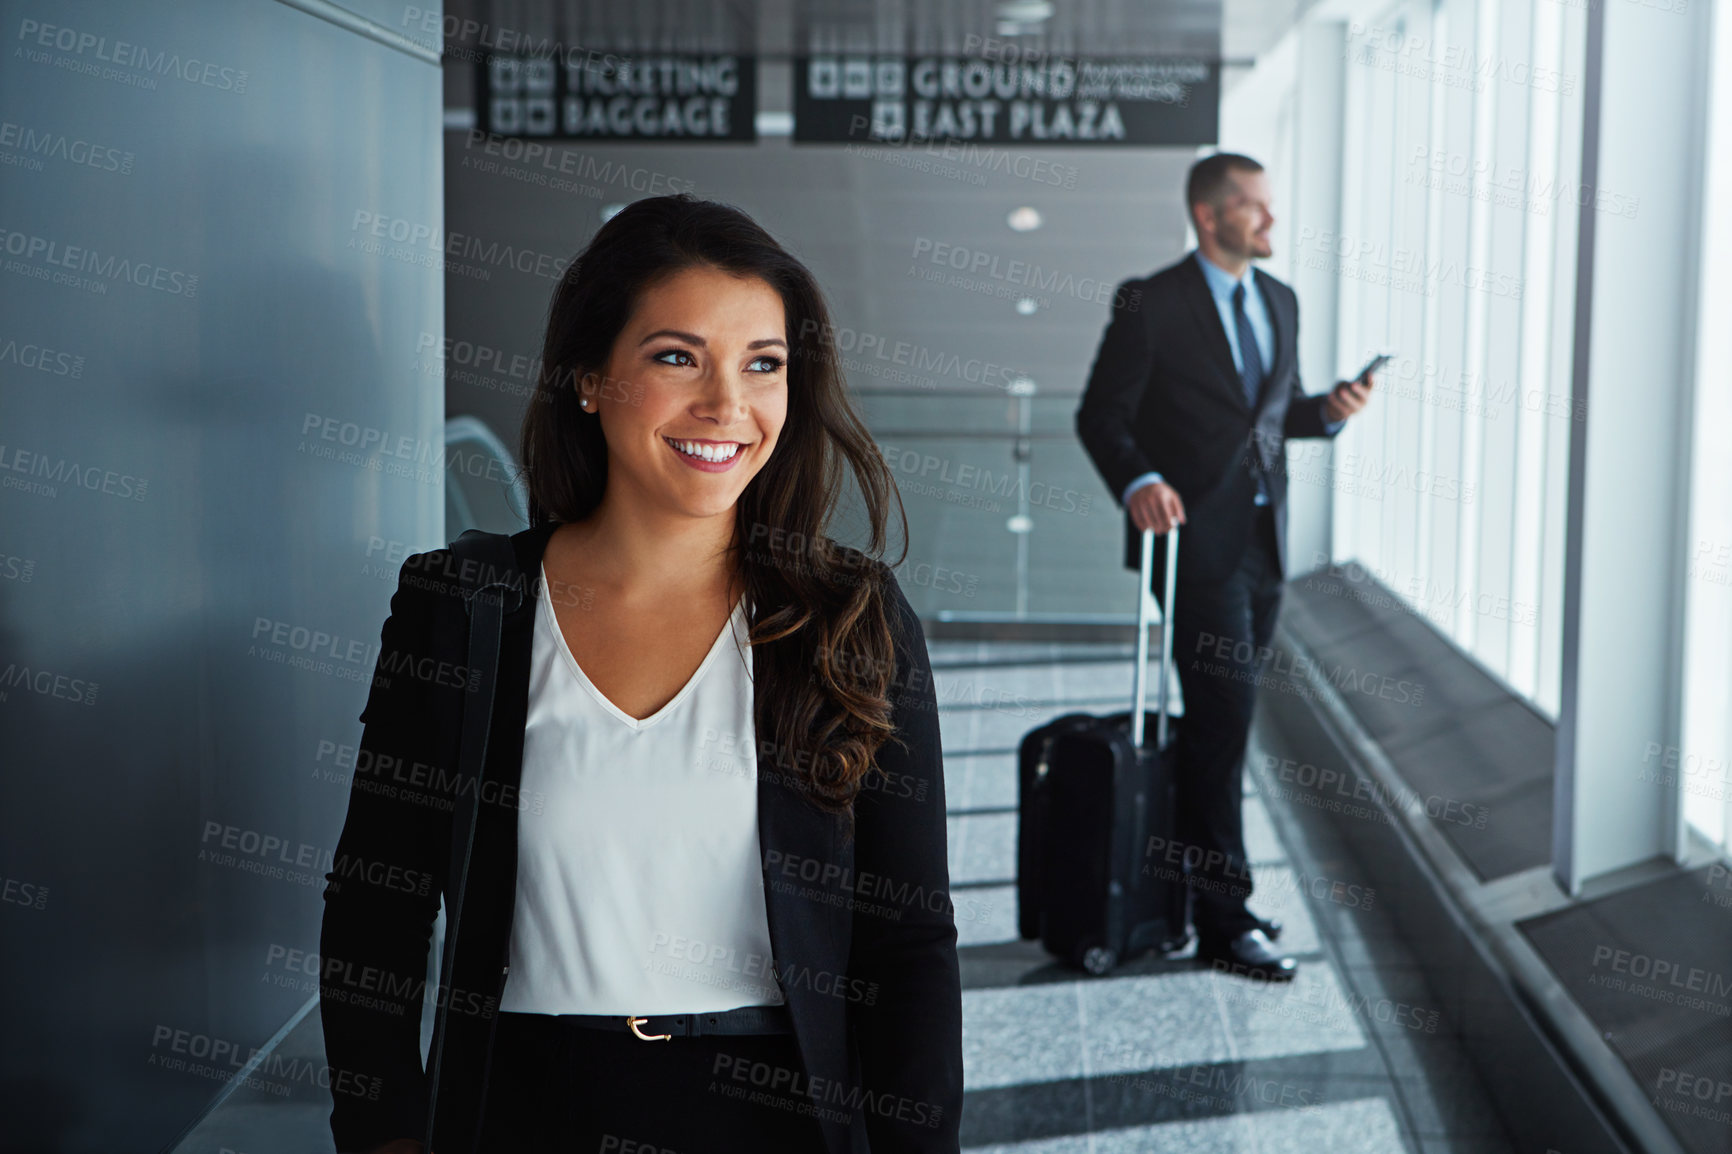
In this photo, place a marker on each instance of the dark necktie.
(1250, 360)
(1251, 375)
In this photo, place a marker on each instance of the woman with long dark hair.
(707, 901)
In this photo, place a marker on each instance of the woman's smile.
(708, 456)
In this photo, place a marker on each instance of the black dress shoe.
(1271, 927)
(1248, 956)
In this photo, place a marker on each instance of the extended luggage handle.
(1140, 688)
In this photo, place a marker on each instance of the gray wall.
(856, 220)
(856, 216)
(182, 518)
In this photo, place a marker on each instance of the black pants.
(554, 1086)
(1220, 635)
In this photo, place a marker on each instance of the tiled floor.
(1161, 1055)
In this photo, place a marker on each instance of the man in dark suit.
(1193, 392)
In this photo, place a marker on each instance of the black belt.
(661, 1027)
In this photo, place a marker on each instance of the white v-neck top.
(639, 889)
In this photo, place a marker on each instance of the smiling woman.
(695, 930)
(687, 308)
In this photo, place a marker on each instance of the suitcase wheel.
(1099, 960)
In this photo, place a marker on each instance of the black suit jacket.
(862, 931)
(1164, 395)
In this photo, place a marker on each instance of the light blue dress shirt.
(1221, 286)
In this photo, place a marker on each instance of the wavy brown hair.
(824, 655)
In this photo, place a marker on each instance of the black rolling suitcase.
(1091, 795)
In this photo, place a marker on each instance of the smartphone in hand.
(1372, 366)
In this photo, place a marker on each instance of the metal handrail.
(973, 435)
(957, 394)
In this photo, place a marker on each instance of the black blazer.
(862, 931)
(1164, 395)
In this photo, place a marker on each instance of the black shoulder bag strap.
(496, 591)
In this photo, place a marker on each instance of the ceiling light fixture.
(1024, 11)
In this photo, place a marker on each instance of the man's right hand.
(1156, 506)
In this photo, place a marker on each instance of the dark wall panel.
(214, 450)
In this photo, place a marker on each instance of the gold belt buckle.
(634, 1022)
